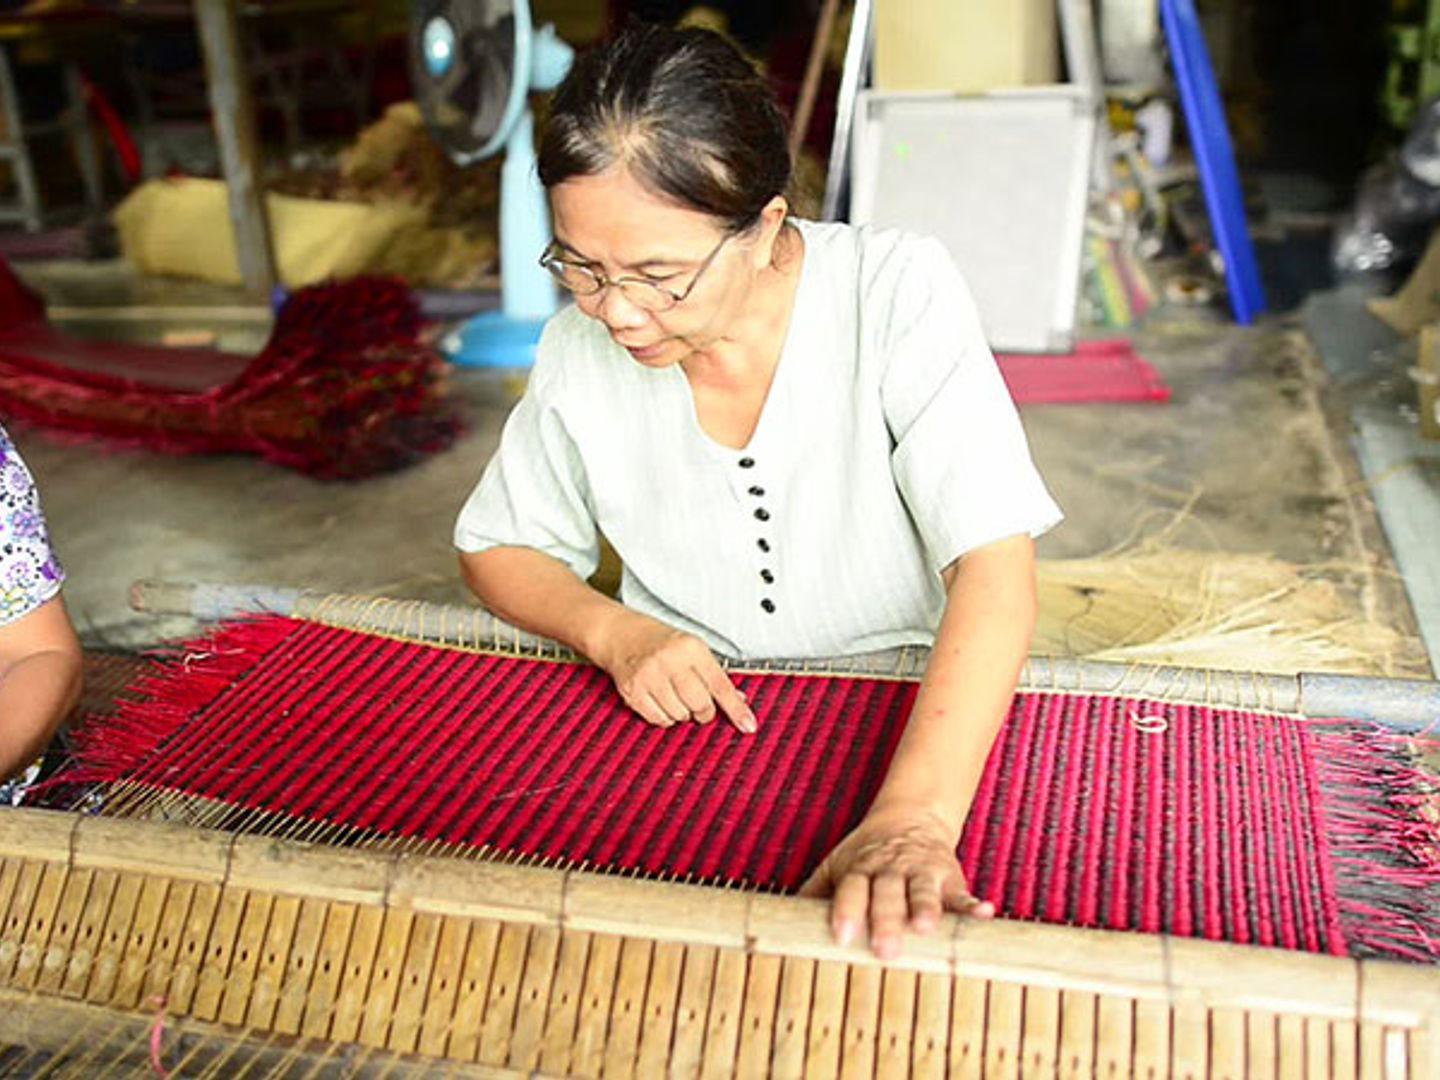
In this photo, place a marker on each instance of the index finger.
(732, 703)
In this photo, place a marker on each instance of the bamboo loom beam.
(44, 1023)
(1405, 705)
(1168, 971)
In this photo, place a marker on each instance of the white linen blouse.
(888, 447)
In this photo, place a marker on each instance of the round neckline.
(777, 382)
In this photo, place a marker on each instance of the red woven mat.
(344, 388)
(1093, 811)
(1097, 371)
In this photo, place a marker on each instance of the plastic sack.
(1397, 204)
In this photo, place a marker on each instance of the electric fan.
(473, 63)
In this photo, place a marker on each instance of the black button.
(764, 545)
(746, 462)
(757, 491)
(767, 577)
(763, 514)
(768, 605)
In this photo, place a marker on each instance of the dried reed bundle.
(1158, 605)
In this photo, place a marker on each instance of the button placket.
(762, 514)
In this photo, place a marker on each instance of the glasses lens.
(647, 296)
(578, 279)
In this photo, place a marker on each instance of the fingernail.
(844, 932)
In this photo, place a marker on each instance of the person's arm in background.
(40, 664)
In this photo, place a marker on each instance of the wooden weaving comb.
(141, 948)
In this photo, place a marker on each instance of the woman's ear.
(770, 225)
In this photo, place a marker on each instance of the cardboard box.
(966, 46)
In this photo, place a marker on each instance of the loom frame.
(1190, 992)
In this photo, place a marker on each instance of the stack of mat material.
(1108, 812)
(343, 389)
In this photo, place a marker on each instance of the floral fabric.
(29, 572)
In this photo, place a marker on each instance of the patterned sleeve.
(29, 572)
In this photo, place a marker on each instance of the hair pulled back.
(683, 110)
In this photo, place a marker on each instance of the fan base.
(493, 339)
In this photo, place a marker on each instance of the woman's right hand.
(670, 677)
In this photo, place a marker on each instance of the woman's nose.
(617, 312)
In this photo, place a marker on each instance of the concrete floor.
(1250, 451)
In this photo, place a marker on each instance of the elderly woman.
(794, 436)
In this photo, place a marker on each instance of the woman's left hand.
(896, 870)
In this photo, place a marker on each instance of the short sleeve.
(534, 493)
(960, 457)
(30, 574)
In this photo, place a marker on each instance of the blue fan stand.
(1210, 138)
(494, 339)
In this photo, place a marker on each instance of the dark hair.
(683, 109)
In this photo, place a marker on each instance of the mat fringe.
(1382, 815)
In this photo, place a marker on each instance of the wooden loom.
(228, 953)
(145, 947)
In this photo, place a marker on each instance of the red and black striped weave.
(1093, 811)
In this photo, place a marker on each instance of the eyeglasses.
(584, 280)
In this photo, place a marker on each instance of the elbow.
(472, 572)
(489, 575)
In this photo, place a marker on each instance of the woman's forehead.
(611, 216)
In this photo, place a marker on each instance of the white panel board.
(1002, 180)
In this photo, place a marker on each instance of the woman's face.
(614, 225)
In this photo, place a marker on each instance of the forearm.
(965, 695)
(37, 692)
(542, 595)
